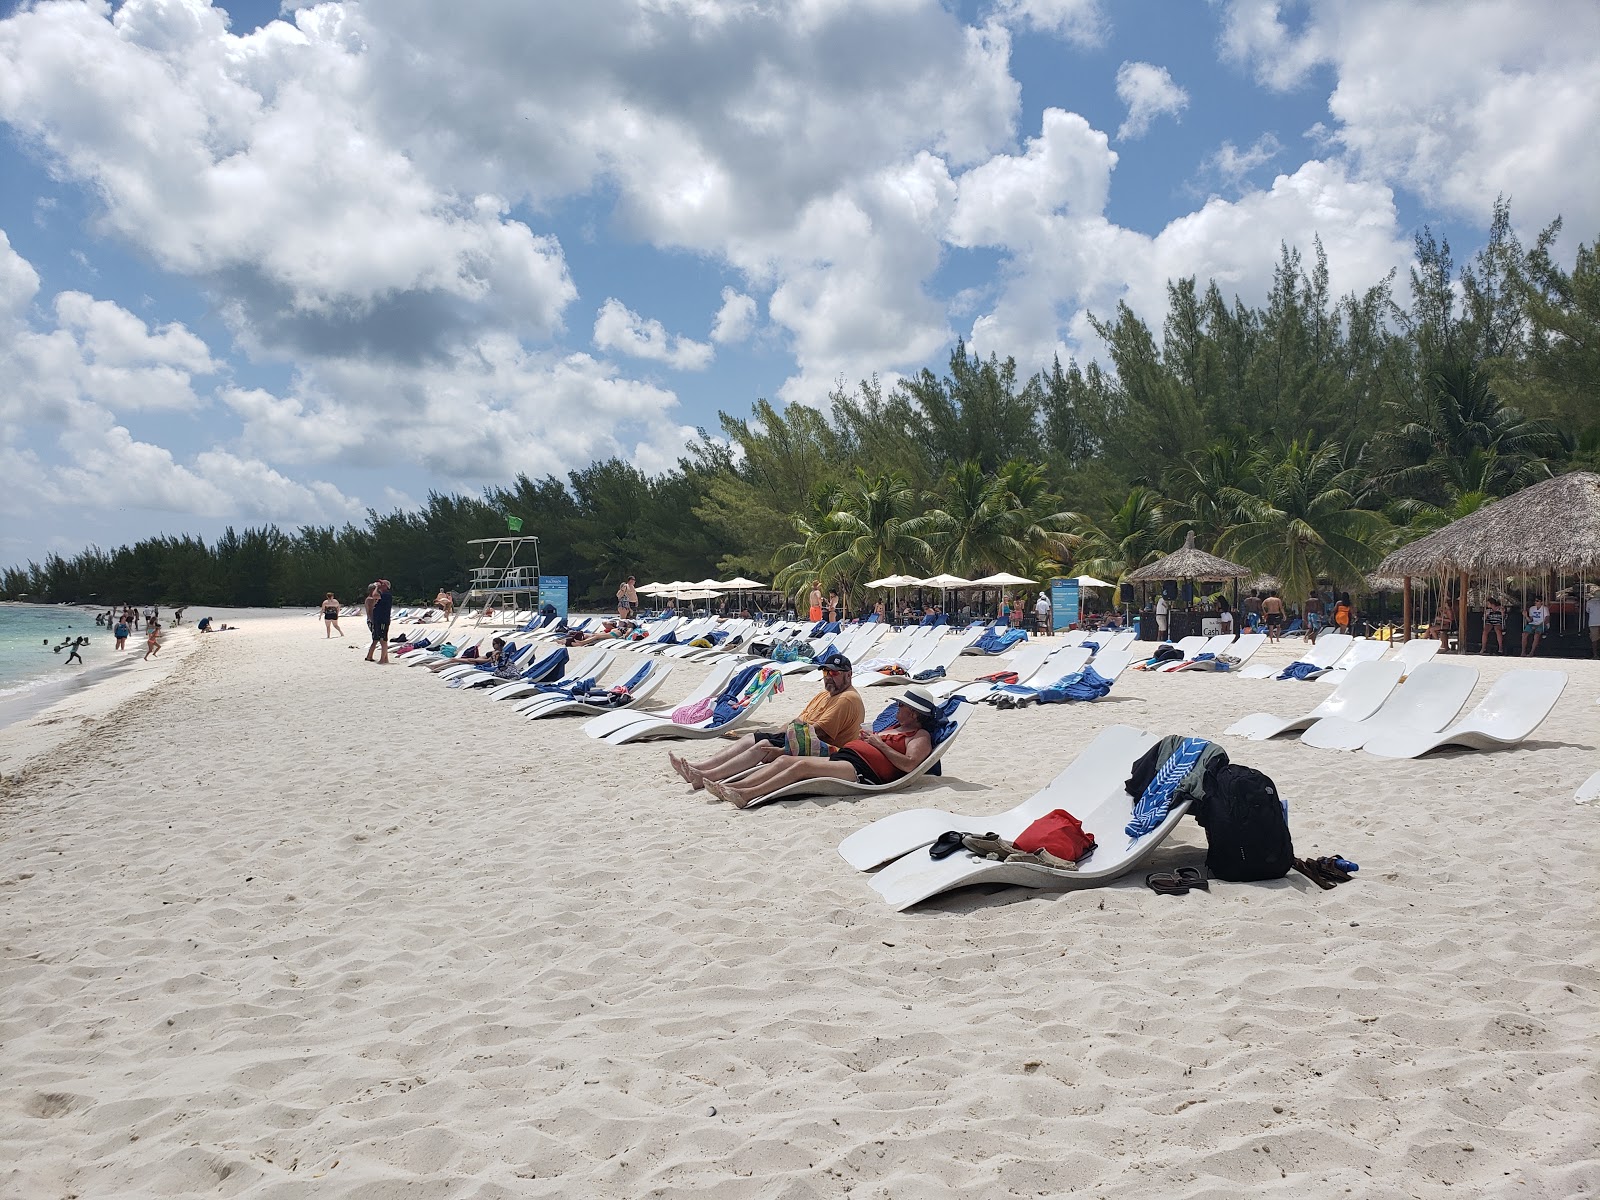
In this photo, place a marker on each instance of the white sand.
(295, 925)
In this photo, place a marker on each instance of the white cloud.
(735, 319)
(619, 329)
(1233, 166)
(1149, 92)
(1080, 21)
(1458, 103)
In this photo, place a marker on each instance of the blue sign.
(1063, 603)
(553, 591)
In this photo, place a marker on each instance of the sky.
(285, 263)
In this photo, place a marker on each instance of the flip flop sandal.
(1006, 702)
(1193, 877)
(1166, 883)
(946, 844)
(1042, 858)
(1310, 871)
(1332, 870)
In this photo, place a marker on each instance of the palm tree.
(1127, 538)
(1202, 492)
(1005, 521)
(1306, 522)
(1454, 414)
(870, 528)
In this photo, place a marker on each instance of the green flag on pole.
(514, 524)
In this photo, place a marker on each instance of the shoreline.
(297, 922)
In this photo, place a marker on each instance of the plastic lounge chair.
(1050, 665)
(651, 728)
(1212, 646)
(1360, 695)
(854, 787)
(1329, 648)
(1108, 664)
(552, 666)
(642, 684)
(608, 723)
(1104, 812)
(1190, 646)
(1243, 649)
(1414, 653)
(943, 653)
(591, 666)
(1516, 705)
(1426, 702)
(1588, 790)
(1101, 765)
(1360, 650)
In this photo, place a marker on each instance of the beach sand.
(296, 925)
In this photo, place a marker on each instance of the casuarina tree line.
(1305, 437)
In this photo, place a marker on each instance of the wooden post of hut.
(1405, 610)
(1461, 615)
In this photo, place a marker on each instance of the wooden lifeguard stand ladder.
(504, 577)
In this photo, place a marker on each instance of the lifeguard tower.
(504, 577)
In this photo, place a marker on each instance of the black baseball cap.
(834, 662)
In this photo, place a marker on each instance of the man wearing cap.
(830, 719)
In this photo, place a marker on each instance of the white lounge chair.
(643, 683)
(1105, 762)
(854, 787)
(1104, 811)
(1360, 650)
(941, 654)
(593, 663)
(1516, 705)
(1243, 650)
(651, 728)
(1361, 694)
(1212, 645)
(1426, 702)
(1049, 666)
(1327, 650)
(1588, 790)
(1109, 664)
(1414, 653)
(608, 723)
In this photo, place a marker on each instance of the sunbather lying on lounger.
(830, 719)
(613, 630)
(868, 757)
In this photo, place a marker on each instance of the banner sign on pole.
(553, 591)
(1063, 603)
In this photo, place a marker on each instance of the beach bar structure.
(1546, 531)
(505, 577)
(1192, 565)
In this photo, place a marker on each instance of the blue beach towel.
(1152, 807)
(1300, 670)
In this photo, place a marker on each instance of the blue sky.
(264, 264)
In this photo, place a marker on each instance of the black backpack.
(1247, 833)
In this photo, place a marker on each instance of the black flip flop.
(1309, 870)
(1166, 883)
(946, 844)
(1192, 877)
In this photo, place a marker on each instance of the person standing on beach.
(1272, 613)
(120, 632)
(152, 639)
(330, 617)
(1041, 614)
(815, 602)
(1314, 616)
(1534, 626)
(1161, 618)
(627, 599)
(1494, 625)
(1591, 614)
(380, 603)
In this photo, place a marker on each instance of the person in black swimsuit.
(330, 617)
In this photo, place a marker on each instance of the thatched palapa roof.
(1190, 563)
(1551, 526)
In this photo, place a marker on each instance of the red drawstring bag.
(1000, 677)
(1058, 832)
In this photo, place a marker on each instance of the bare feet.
(687, 773)
(723, 792)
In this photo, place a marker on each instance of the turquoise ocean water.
(25, 662)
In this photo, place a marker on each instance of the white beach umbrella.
(745, 585)
(945, 582)
(1000, 579)
(710, 585)
(894, 581)
(651, 589)
(1091, 581)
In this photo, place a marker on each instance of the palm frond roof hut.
(1553, 526)
(1190, 563)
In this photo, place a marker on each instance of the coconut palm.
(1306, 521)
(1128, 537)
(1202, 492)
(870, 528)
